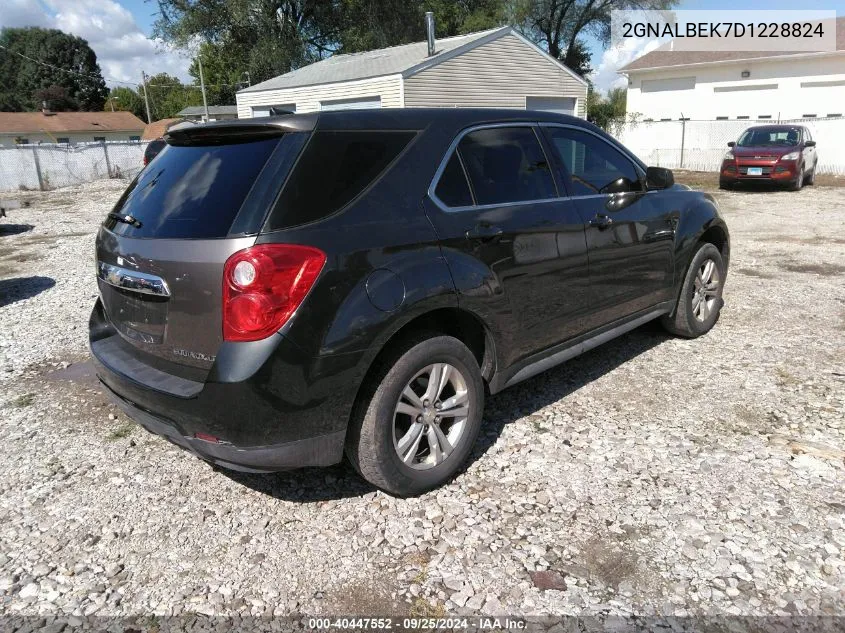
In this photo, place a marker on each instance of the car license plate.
(755, 171)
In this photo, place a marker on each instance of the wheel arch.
(462, 324)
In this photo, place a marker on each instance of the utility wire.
(110, 79)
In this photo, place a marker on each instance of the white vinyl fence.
(48, 166)
(700, 145)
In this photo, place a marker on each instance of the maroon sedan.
(780, 154)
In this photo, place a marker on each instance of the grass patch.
(785, 379)
(422, 608)
(23, 400)
(825, 269)
(121, 432)
(752, 272)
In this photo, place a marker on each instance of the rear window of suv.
(335, 167)
(191, 191)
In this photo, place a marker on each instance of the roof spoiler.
(238, 131)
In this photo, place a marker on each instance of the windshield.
(770, 137)
(190, 192)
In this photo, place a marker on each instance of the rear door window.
(506, 164)
(191, 191)
(335, 167)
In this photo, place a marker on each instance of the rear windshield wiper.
(127, 219)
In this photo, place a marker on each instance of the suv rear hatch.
(161, 251)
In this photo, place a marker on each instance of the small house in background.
(156, 129)
(498, 68)
(215, 113)
(21, 128)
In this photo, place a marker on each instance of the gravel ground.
(650, 476)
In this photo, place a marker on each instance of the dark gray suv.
(277, 292)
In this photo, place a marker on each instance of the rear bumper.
(323, 450)
(266, 407)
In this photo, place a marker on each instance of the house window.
(22, 141)
(721, 118)
(134, 138)
(834, 115)
(745, 88)
(665, 119)
(742, 118)
(808, 116)
(358, 103)
(764, 116)
(63, 140)
(672, 83)
(99, 139)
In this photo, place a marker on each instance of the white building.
(667, 85)
(496, 69)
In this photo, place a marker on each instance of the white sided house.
(734, 85)
(498, 68)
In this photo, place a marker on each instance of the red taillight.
(263, 285)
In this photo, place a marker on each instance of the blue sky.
(120, 31)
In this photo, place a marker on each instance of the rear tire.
(402, 438)
(700, 301)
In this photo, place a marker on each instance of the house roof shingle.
(156, 129)
(665, 57)
(377, 63)
(34, 122)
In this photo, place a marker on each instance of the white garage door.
(359, 103)
(562, 105)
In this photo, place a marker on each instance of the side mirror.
(731, 143)
(809, 144)
(659, 178)
(620, 185)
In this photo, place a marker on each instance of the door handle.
(484, 233)
(601, 221)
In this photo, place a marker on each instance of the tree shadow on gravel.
(341, 481)
(20, 288)
(14, 229)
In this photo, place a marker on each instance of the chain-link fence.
(700, 145)
(48, 166)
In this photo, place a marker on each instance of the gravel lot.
(651, 476)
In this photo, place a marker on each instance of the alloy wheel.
(705, 293)
(430, 418)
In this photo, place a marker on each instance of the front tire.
(811, 179)
(799, 182)
(419, 416)
(700, 301)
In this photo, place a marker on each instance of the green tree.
(557, 24)
(607, 111)
(55, 98)
(20, 77)
(126, 99)
(168, 96)
(266, 38)
(371, 24)
(224, 74)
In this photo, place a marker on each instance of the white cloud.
(122, 48)
(605, 77)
